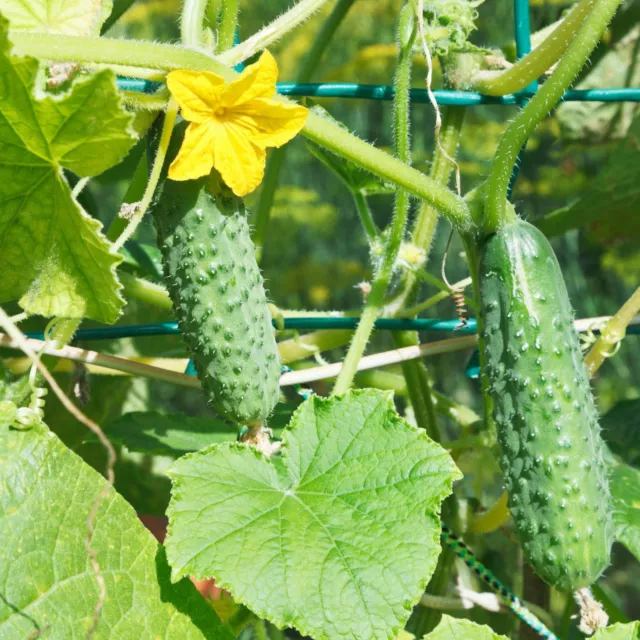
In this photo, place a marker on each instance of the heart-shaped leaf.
(336, 536)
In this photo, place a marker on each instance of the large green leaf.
(336, 536)
(71, 17)
(46, 577)
(625, 491)
(620, 631)
(53, 256)
(610, 205)
(457, 628)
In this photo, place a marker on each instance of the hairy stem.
(578, 52)
(228, 25)
(276, 159)
(191, 23)
(154, 178)
(364, 212)
(415, 372)
(289, 20)
(401, 119)
(145, 291)
(543, 57)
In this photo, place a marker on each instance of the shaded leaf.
(171, 435)
(338, 536)
(625, 492)
(46, 578)
(53, 256)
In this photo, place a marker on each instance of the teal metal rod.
(307, 323)
(385, 92)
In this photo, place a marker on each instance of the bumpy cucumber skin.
(547, 423)
(219, 299)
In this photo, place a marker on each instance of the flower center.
(220, 111)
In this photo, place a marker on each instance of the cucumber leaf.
(337, 536)
(53, 256)
(449, 628)
(70, 17)
(619, 631)
(625, 491)
(46, 577)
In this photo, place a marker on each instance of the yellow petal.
(268, 123)
(197, 92)
(240, 163)
(258, 80)
(195, 157)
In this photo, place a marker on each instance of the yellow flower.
(231, 125)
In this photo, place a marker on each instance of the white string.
(430, 94)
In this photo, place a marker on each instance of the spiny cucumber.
(548, 431)
(219, 298)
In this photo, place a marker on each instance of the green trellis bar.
(352, 90)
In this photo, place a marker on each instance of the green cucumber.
(552, 454)
(219, 298)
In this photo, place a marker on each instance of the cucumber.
(219, 298)
(547, 423)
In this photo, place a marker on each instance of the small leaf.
(619, 631)
(625, 491)
(53, 256)
(338, 536)
(46, 577)
(170, 435)
(72, 17)
(458, 628)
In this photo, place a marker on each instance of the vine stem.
(401, 122)
(228, 24)
(613, 333)
(578, 52)
(191, 22)
(536, 63)
(276, 159)
(319, 130)
(154, 178)
(289, 20)
(145, 291)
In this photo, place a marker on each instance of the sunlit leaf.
(70, 17)
(338, 536)
(47, 583)
(53, 256)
